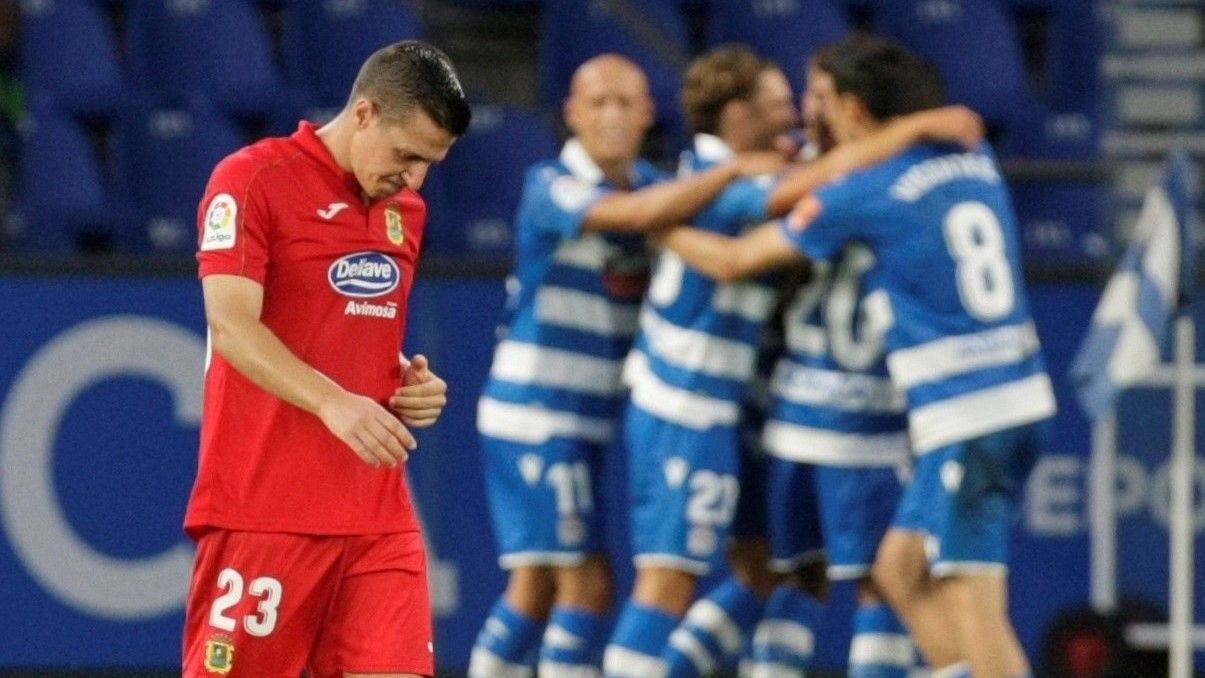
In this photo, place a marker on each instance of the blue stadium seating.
(64, 186)
(652, 33)
(975, 44)
(219, 48)
(1074, 44)
(326, 41)
(474, 193)
(166, 155)
(1062, 222)
(68, 51)
(787, 32)
(497, 3)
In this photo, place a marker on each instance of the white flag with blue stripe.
(1130, 325)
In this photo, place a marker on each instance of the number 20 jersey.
(961, 343)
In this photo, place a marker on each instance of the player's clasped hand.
(371, 431)
(422, 396)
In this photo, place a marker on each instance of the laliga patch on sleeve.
(804, 213)
(220, 218)
(571, 194)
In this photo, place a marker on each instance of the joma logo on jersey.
(364, 274)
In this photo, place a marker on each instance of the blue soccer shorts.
(793, 517)
(542, 500)
(684, 490)
(964, 497)
(857, 505)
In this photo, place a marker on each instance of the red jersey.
(336, 275)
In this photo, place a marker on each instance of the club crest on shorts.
(394, 227)
(219, 654)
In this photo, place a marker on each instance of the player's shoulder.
(546, 170)
(243, 166)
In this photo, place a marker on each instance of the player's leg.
(978, 605)
(256, 602)
(379, 621)
(578, 625)
(981, 483)
(881, 646)
(784, 641)
(522, 484)
(857, 506)
(507, 641)
(901, 574)
(684, 492)
(721, 622)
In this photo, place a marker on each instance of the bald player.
(550, 404)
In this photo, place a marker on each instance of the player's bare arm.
(956, 124)
(674, 202)
(232, 308)
(421, 398)
(726, 258)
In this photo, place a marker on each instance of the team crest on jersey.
(394, 227)
(626, 273)
(804, 213)
(219, 654)
(219, 232)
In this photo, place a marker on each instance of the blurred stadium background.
(113, 112)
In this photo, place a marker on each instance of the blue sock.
(881, 646)
(506, 645)
(573, 643)
(712, 635)
(637, 642)
(783, 641)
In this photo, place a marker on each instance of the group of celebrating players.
(871, 271)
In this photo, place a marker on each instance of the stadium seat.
(1062, 222)
(787, 32)
(1073, 92)
(65, 206)
(474, 193)
(166, 155)
(975, 44)
(651, 33)
(218, 48)
(326, 41)
(68, 52)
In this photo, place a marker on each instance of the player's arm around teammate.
(765, 248)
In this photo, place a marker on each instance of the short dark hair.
(889, 79)
(715, 78)
(411, 74)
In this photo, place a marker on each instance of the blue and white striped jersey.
(572, 306)
(962, 344)
(832, 402)
(697, 347)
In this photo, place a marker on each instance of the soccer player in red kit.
(309, 554)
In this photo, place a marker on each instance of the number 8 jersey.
(961, 343)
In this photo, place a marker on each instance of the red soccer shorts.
(264, 605)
